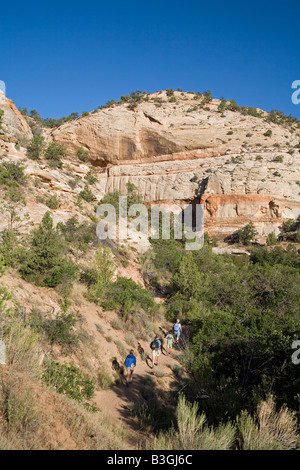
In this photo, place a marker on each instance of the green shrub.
(278, 158)
(73, 182)
(36, 146)
(170, 92)
(54, 153)
(83, 154)
(53, 202)
(45, 263)
(91, 177)
(190, 110)
(127, 296)
(58, 330)
(86, 194)
(79, 235)
(68, 380)
(12, 204)
(10, 251)
(246, 234)
(104, 268)
(233, 106)
(12, 174)
(271, 239)
(289, 225)
(268, 133)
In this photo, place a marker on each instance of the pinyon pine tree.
(45, 263)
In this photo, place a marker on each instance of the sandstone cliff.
(14, 126)
(239, 166)
(179, 152)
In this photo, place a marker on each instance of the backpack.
(154, 344)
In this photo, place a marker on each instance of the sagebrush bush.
(121, 348)
(105, 380)
(193, 433)
(269, 429)
(117, 324)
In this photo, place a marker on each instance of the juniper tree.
(36, 147)
(46, 264)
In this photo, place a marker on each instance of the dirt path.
(119, 401)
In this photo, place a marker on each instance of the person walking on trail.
(155, 346)
(169, 339)
(177, 328)
(130, 364)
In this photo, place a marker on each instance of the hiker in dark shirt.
(155, 346)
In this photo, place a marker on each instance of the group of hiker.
(156, 348)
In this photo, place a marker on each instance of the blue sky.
(63, 57)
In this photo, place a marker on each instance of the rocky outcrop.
(176, 153)
(121, 134)
(233, 187)
(14, 126)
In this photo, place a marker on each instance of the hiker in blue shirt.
(130, 364)
(155, 346)
(177, 330)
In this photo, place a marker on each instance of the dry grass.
(269, 430)
(78, 294)
(32, 416)
(104, 378)
(91, 431)
(121, 348)
(23, 348)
